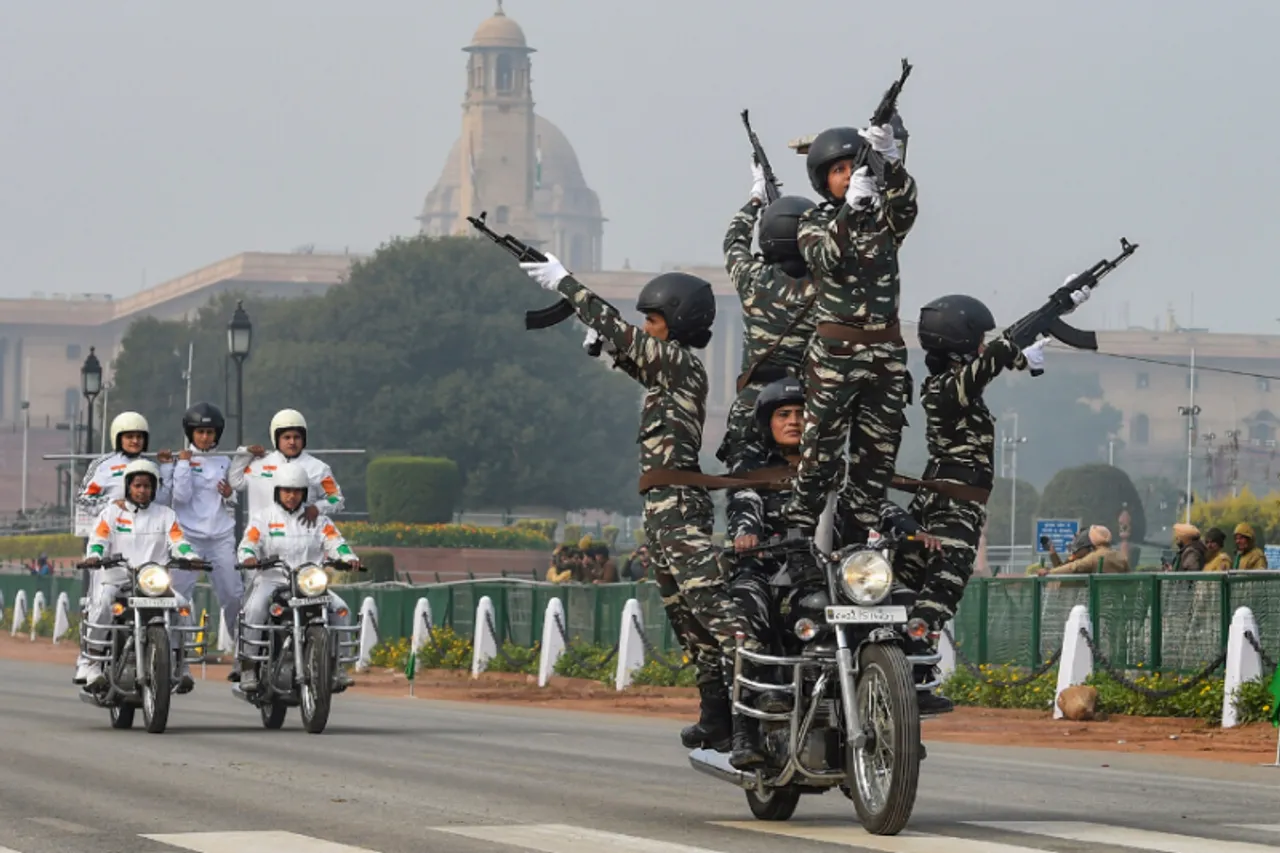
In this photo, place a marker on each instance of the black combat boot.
(714, 727)
(746, 753)
(930, 703)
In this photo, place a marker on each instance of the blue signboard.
(1060, 532)
(1273, 556)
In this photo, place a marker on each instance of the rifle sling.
(775, 478)
(745, 379)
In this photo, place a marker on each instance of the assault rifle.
(1047, 319)
(542, 318)
(772, 186)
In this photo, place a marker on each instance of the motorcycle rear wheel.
(157, 687)
(885, 773)
(317, 688)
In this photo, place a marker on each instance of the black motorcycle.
(854, 721)
(139, 664)
(301, 654)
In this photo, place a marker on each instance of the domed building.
(511, 162)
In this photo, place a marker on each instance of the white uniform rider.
(282, 531)
(255, 469)
(141, 531)
(205, 504)
(104, 480)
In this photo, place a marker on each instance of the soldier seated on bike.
(284, 531)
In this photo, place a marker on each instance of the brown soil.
(1152, 735)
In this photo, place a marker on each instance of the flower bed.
(398, 535)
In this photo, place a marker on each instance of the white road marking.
(1257, 827)
(856, 836)
(1121, 836)
(560, 838)
(253, 842)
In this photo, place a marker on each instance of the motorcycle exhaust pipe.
(716, 765)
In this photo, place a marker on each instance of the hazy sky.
(143, 140)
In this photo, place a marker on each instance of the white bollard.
(61, 617)
(38, 607)
(368, 632)
(1244, 664)
(226, 644)
(552, 641)
(422, 624)
(1, 608)
(19, 611)
(1076, 663)
(630, 644)
(484, 646)
(947, 665)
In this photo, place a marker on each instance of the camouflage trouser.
(742, 438)
(757, 600)
(939, 578)
(858, 391)
(697, 643)
(677, 525)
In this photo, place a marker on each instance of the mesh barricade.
(1121, 611)
(1192, 631)
(580, 614)
(1260, 592)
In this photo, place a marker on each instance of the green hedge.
(545, 526)
(412, 489)
(360, 534)
(30, 547)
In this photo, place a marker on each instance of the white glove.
(1034, 355)
(757, 182)
(861, 186)
(883, 142)
(546, 274)
(1080, 295)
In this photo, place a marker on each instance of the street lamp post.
(90, 387)
(1012, 441)
(239, 340)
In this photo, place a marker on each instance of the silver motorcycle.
(854, 722)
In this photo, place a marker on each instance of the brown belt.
(958, 491)
(890, 334)
(774, 478)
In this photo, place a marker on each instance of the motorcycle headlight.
(312, 581)
(153, 580)
(866, 576)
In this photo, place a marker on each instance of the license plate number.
(304, 602)
(886, 615)
(153, 603)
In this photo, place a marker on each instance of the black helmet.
(784, 392)
(1081, 542)
(204, 415)
(779, 225)
(955, 323)
(686, 302)
(834, 143)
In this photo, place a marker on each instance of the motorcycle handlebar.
(277, 562)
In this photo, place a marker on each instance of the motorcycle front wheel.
(777, 804)
(273, 714)
(122, 716)
(317, 685)
(885, 771)
(156, 686)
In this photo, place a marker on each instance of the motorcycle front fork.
(853, 732)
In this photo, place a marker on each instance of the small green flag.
(1274, 690)
(410, 665)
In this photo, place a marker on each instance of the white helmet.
(129, 422)
(290, 475)
(287, 419)
(142, 466)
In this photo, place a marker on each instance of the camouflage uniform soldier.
(679, 310)
(777, 296)
(961, 435)
(856, 376)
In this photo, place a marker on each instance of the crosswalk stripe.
(1096, 833)
(560, 838)
(253, 842)
(1257, 827)
(7, 850)
(856, 836)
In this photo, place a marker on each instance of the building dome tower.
(511, 162)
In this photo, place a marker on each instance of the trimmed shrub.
(572, 534)
(442, 536)
(30, 547)
(545, 526)
(1095, 494)
(412, 490)
(610, 534)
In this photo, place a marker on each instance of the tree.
(998, 512)
(1161, 505)
(422, 352)
(1096, 494)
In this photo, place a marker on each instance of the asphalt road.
(406, 776)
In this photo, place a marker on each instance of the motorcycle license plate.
(886, 615)
(304, 602)
(153, 603)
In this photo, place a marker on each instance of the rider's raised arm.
(251, 543)
(100, 538)
(325, 493)
(335, 546)
(968, 383)
(237, 473)
(179, 547)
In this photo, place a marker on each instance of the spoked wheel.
(886, 769)
(273, 714)
(122, 716)
(157, 687)
(776, 804)
(317, 685)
